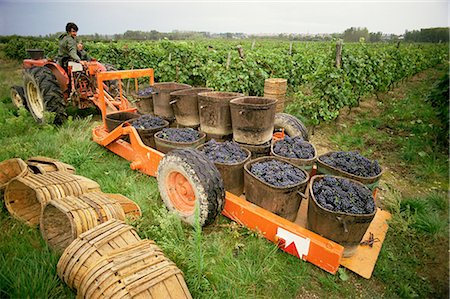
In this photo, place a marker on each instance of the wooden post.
(170, 56)
(228, 59)
(290, 49)
(338, 53)
(253, 44)
(240, 51)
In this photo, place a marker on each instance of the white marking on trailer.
(301, 244)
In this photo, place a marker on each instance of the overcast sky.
(108, 17)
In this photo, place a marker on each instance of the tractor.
(48, 87)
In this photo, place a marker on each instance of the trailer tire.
(292, 126)
(187, 179)
(18, 99)
(43, 93)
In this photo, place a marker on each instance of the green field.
(398, 127)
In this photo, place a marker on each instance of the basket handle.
(343, 222)
(302, 195)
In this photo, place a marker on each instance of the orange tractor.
(48, 87)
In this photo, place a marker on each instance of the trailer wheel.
(18, 97)
(43, 93)
(292, 126)
(187, 180)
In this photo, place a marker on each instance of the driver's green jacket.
(67, 48)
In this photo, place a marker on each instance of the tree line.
(353, 34)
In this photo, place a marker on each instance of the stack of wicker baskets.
(111, 261)
(102, 256)
(275, 88)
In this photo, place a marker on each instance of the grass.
(225, 260)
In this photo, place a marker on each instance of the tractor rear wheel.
(292, 126)
(188, 182)
(43, 94)
(18, 97)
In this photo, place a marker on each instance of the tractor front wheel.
(189, 183)
(18, 97)
(43, 94)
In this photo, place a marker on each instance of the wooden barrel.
(25, 197)
(131, 209)
(11, 169)
(64, 219)
(92, 245)
(139, 270)
(40, 164)
(275, 88)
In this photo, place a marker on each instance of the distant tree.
(428, 35)
(375, 37)
(354, 34)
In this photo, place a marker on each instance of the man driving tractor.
(68, 46)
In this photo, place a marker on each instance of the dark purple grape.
(146, 92)
(294, 148)
(352, 162)
(148, 121)
(277, 173)
(179, 135)
(343, 195)
(226, 152)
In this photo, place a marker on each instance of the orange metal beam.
(143, 158)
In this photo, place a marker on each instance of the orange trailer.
(291, 237)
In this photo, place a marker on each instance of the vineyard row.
(318, 88)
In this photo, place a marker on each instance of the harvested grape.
(179, 134)
(224, 152)
(146, 92)
(277, 173)
(342, 195)
(294, 148)
(352, 162)
(148, 121)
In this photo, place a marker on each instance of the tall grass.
(27, 266)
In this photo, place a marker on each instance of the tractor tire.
(292, 126)
(187, 180)
(18, 97)
(43, 94)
